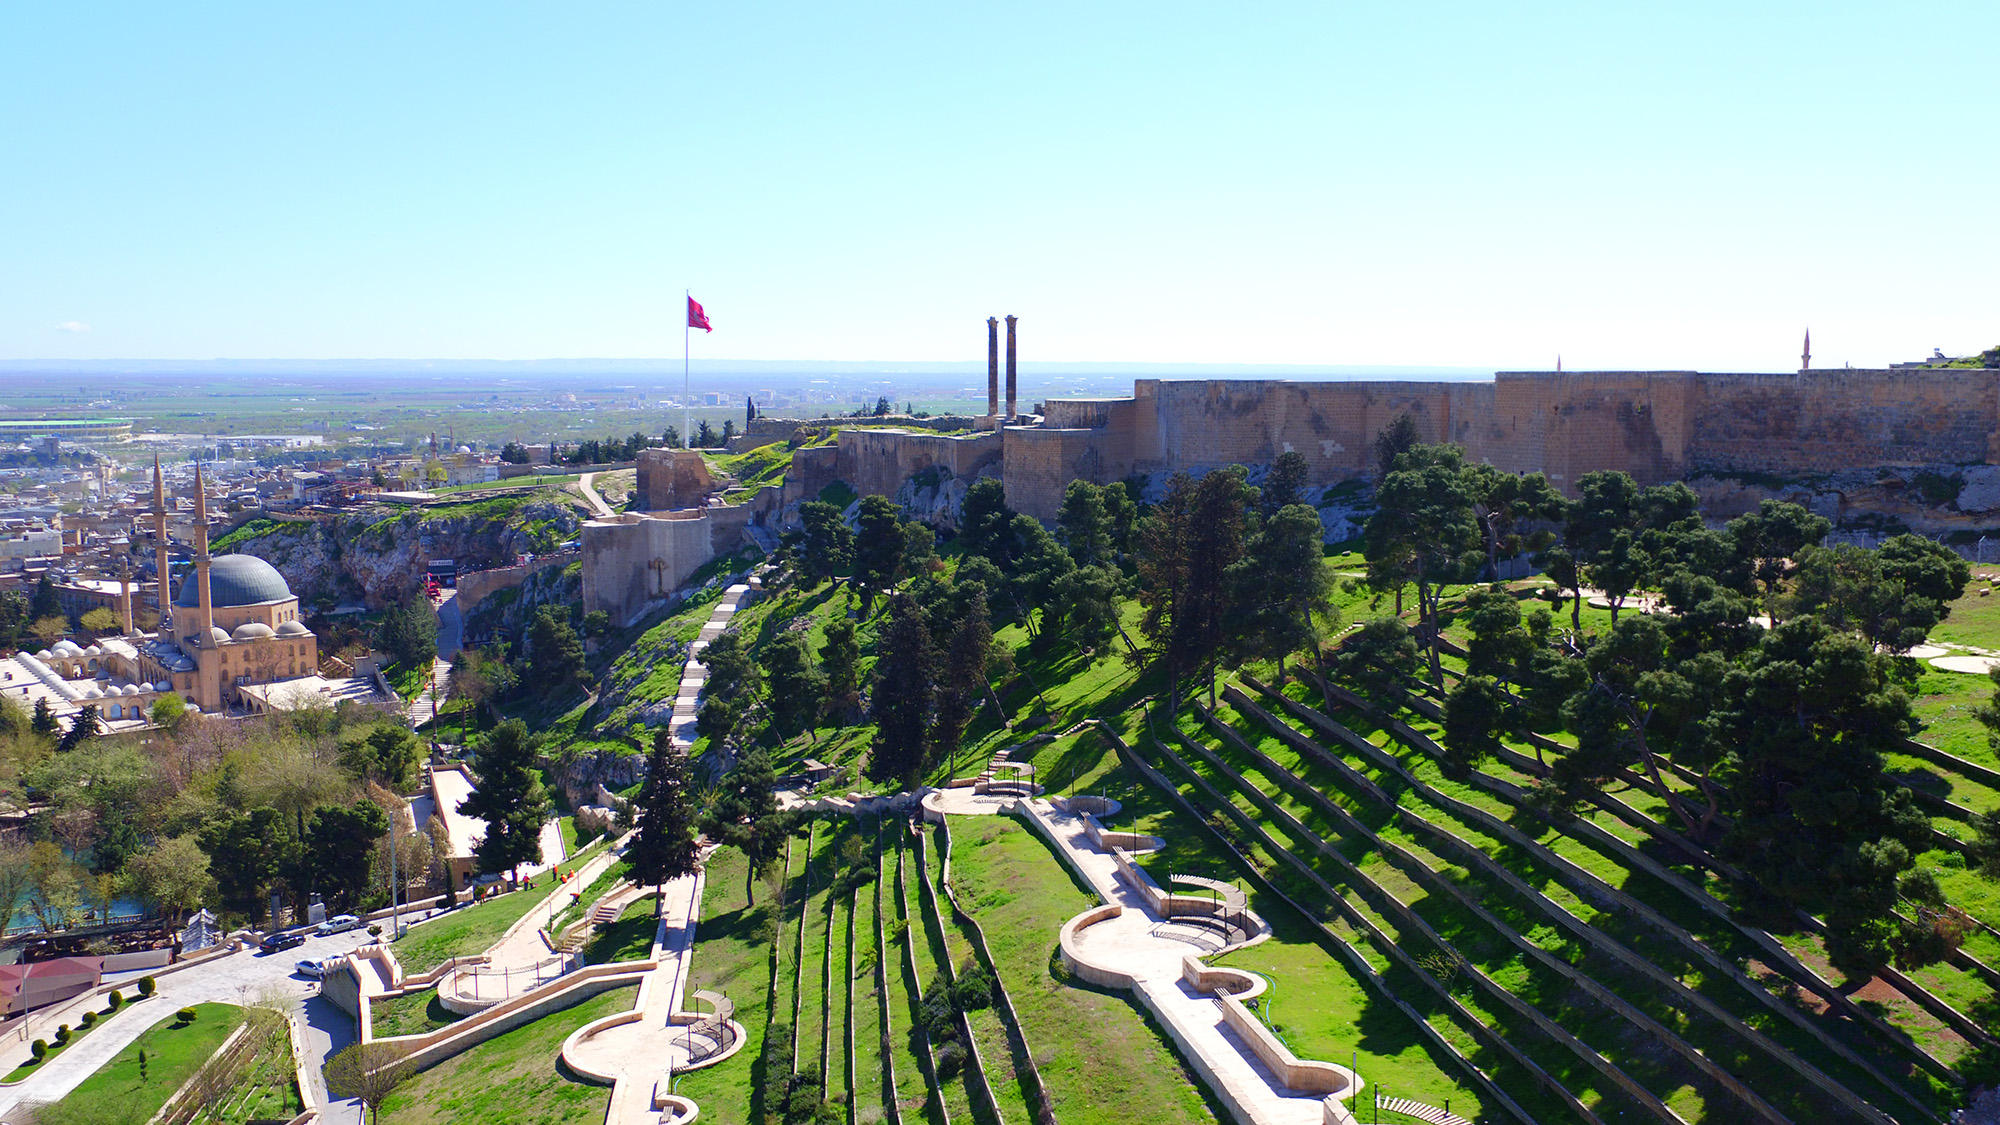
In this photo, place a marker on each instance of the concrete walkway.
(647, 1051)
(1140, 944)
(599, 509)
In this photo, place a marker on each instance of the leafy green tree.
(1285, 484)
(1038, 566)
(1391, 442)
(388, 754)
(705, 436)
(840, 658)
(664, 847)
(169, 712)
(337, 846)
(171, 876)
(1476, 711)
(44, 603)
(732, 673)
(1083, 526)
(1810, 716)
(83, 727)
(1219, 530)
(1867, 592)
(878, 555)
(1424, 522)
(745, 815)
(1505, 503)
(827, 551)
(13, 619)
(509, 798)
(408, 632)
(903, 697)
(555, 652)
(797, 687)
(1382, 649)
(1087, 604)
(246, 852)
(1163, 542)
(984, 519)
(1278, 585)
(962, 679)
(1773, 535)
(718, 718)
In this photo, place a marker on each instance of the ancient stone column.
(993, 368)
(1010, 366)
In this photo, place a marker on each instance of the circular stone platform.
(1975, 665)
(1927, 652)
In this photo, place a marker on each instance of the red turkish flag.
(698, 318)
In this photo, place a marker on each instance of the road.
(597, 505)
(235, 978)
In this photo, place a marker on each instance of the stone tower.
(166, 596)
(1805, 357)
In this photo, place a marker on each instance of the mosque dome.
(253, 631)
(66, 648)
(235, 580)
(217, 637)
(294, 629)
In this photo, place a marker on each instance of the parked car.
(312, 970)
(338, 924)
(288, 939)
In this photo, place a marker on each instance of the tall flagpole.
(687, 394)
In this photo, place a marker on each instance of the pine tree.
(1277, 587)
(45, 603)
(903, 696)
(878, 555)
(509, 798)
(555, 651)
(665, 846)
(827, 550)
(1083, 526)
(44, 721)
(963, 679)
(797, 687)
(984, 518)
(746, 816)
(84, 727)
(1285, 484)
(840, 657)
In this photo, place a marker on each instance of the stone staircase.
(1423, 1112)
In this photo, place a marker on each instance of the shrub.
(114, 1001)
(147, 985)
(88, 1021)
(973, 991)
(950, 1059)
(40, 1049)
(185, 1016)
(374, 930)
(62, 1035)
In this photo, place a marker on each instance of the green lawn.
(77, 1033)
(512, 1077)
(732, 955)
(630, 938)
(1098, 1056)
(412, 1013)
(465, 931)
(117, 1095)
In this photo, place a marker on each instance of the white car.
(311, 970)
(338, 924)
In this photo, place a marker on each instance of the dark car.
(279, 941)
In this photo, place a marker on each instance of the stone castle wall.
(878, 461)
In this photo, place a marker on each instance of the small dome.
(163, 686)
(294, 629)
(92, 692)
(44, 655)
(94, 650)
(217, 636)
(129, 689)
(253, 631)
(66, 648)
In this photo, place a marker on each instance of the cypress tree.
(903, 696)
(665, 846)
(509, 798)
(746, 816)
(840, 656)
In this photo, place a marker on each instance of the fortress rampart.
(1655, 425)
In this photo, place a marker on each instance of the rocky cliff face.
(381, 560)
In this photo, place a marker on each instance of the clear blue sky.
(1663, 185)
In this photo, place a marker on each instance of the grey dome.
(235, 580)
(253, 631)
(294, 629)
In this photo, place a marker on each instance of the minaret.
(1805, 357)
(205, 612)
(125, 592)
(166, 593)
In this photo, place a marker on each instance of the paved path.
(641, 1053)
(1148, 948)
(695, 674)
(598, 507)
(234, 978)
